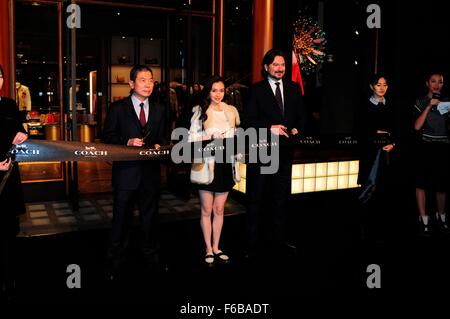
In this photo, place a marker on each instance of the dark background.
(412, 42)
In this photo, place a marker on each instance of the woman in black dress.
(376, 136)
(432, 170)
(11, 198)
(214, 119)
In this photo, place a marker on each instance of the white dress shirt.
(137, 106)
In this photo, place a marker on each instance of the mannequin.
(77, 89)
(23, 97)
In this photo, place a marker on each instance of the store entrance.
(175, 42)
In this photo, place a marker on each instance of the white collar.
(272, 81)
(138, 102)
(375, 101)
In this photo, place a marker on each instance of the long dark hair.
(205, 98)
(269, 57)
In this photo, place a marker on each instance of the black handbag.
(368, 189)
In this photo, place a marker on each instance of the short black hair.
(268, 59)
(2, 73)
(138, 68)
(376, 77)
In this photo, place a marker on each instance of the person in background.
(11, 197)
(196, 94)
(214, 119)
(432, 171)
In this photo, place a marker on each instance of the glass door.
(38, 81)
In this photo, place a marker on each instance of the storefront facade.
(66, 62)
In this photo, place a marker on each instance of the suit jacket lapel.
(151, 116)
(132, 113)
(285, 98)
(272, 97)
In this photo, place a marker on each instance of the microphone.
(435, 96)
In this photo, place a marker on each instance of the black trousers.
(9, 228)
(279, 187)
(147, 201)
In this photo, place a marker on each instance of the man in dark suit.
(139, 122)
(276, 104)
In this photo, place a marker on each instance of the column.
(5, 47)
(262, 34)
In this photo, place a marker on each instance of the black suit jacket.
(121, 124)
(262, 109)
(11, 199)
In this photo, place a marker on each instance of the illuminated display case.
(317, 169)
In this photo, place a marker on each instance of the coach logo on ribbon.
(154, 152)
(263, 144)
(24, 151)
(90, 151)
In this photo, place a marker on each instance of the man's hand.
(279, 130)
(217, 135)
(4, 166)
(135, 142)
(157, 147)
(388, 147)
(19, 138)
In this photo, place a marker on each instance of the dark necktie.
(278, 96)
(142, 115)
